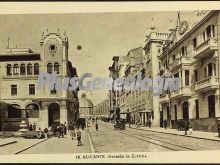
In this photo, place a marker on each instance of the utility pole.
(218, 44)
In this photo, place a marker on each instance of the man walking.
(79, 134)
(186, 126)
(34, 127)
(96, 126)
(165, 124)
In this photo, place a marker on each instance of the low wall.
(205, 124)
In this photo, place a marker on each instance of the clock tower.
(54, 51)
(54, 56)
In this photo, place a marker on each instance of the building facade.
(114, 94)
(19, 73)
(153, 48)
(193, 56)
(86, 108)
(102, 109)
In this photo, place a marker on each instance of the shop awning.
(145, 111)
(125, 112)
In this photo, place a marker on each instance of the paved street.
(131, 140)
(106, 139)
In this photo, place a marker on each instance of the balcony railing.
(164, 98)
(205, 48)
(207, 84)
(180, 61)
(182, 92)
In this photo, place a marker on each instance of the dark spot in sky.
(79, 47)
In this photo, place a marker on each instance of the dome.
(85, 102)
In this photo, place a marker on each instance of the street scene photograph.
(109, 82)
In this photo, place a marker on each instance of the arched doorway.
(185, 108)
(14, 111)
(54, 114)
(32, 111)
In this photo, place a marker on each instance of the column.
(44, 121)
(63, 115)
(23, 113)
(183, 78)
(156, 111)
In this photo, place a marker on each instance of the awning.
(125, 112)
(145, 111)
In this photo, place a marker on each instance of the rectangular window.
(176, 75)
(204, 36)
(31, 89)
(186, 77)
(174, 57)
(208, 32)
(196, 75)
(13, 90)
(183, 51)
(210, 69)
(194, 43)
(53, 91)
(197, 108)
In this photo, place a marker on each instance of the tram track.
(158, 142)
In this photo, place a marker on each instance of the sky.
(101, 35)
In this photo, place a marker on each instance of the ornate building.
(18, 76)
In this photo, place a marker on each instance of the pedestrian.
(46, 132)
(65, 128)
(190, 130)
(149, 123)
(96, 126)
(165, 124)
(186, 126)
(30, 127)
(34, 127)
(79, 135)
(179, 125)
(62, 130)
(218, 128)
(72, 130)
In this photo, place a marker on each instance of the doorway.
(185, 108)
(54, 114)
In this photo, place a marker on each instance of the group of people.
(32, 127)
(183, 125)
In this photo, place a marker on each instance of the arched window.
(56, 68)
(14, 111)
(36, 69)
(32, 111)
(22, 69)
(9, 69)
(29, 69)
(16, 69)
(49, 68)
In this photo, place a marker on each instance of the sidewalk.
(18, 145)
(195, 134)
(4, 142)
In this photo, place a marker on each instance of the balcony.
(164, 98)
(182, 92)
(183, 60)
(207, 84)
(206, 48)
